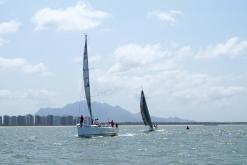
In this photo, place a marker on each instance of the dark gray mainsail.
(144, 111)
(86, 79)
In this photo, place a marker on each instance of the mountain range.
(103, 111)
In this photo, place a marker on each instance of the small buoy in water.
(187, 127)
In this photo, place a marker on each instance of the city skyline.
(37, 120)
(189, 57)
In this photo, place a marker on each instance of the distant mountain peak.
(103, 111)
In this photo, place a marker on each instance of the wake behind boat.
(145, 113)
(89, 127)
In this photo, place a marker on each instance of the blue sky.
(189, 57)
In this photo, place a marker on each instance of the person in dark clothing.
(81, 120)
(116, 125)
(112, 123)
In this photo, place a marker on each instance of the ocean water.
(169, 145)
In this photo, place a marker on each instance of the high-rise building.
(1, 121)
(13, 120)
(63, 120)
(49, 120)
(67, 120)
(21, 120)
(76, 120)
(37, 120)
(29, 120)
(40, 120)
(56, 120)
(44, 120)
(6, 120)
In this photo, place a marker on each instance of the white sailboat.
(145, 113)
(88, 128)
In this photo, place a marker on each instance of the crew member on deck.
(81, 120)
(112, 123)
(96, 121)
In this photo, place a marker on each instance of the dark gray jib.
(144, 111)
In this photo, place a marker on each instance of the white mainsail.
(86, 79)
(144, 111)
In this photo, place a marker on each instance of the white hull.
(95, 130)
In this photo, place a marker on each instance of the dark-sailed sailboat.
(145, 113)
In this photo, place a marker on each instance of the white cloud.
(196, 89)
(231, 48)
(40, 94)
(3, 41)
(9, 27)
(135, 56)
(76, 18)
(5, 94)
(30, 94)
(166, 16)
(156, 68)
(23, 65)
(17, 102)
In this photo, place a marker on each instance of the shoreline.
(140, 123)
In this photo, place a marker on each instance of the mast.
(86, 79)
(144, 111)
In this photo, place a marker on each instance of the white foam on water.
(30, 139)
(160, 130)
(127, 134)
(142, 149)
(57, 144)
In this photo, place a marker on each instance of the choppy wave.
(167, 145)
